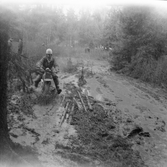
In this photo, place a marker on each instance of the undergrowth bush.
(160, 75)
(21, 103)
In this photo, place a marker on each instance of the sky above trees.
(91, 4)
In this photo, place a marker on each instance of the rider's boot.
(55, 79)
(37, 80)
(58, 90)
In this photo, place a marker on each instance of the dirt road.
(143, 105)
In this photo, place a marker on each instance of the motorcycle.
(47, 81)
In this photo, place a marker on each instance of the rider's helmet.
(49, 51)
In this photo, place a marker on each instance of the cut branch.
(89, 105)
(77, 103)
(71, 113)
(64, 114)
(83, 105)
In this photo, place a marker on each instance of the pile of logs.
(73, 103)
(79, 101)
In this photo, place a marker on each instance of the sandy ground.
(143, 103)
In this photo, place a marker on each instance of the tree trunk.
(8, 151)
(4, 136)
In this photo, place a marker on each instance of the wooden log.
(83, 105)
(89, 105)
(68, 111)
(71, 112)
(64, 114)
(79, 108)
(63, 99)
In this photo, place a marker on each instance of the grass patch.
(21, 103)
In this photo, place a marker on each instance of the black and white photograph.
(83, 83)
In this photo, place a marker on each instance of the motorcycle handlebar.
(49, 70)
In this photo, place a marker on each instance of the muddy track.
(111, 121)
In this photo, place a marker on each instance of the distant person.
(48, 62)
(10, 44)
(87, 50)
(20, 47)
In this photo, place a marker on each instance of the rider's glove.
(42, 69)
(55, 70)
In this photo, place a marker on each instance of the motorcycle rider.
(48, 62)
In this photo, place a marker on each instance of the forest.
(134, 35)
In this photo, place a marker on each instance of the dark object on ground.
(87, 50)
(59, 91)
(144, 134)
(135, 131)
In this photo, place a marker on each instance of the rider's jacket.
(45, 63)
